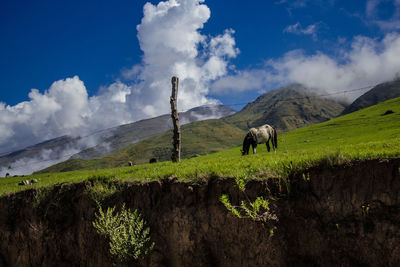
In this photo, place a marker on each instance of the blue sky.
(44, 41)
(72, 67)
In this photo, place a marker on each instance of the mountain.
(127, 134)
(32, 158)
(286, 109)
(198, 138)
(379, 93)
(101, 143)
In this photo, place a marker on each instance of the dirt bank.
(344, 215)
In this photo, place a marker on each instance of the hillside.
(333, 188)
(106, 141)
(350, 134)
(348, 137)
(198, 138)
(341, 215)
(127, 134)
(55, 145)
(286, 108)
(378, 94)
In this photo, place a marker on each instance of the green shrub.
(128, 236)
(257, 210)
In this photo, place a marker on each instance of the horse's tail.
(274, 138)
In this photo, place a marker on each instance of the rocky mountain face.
(339, 216)
(286, 109)
(379, 93)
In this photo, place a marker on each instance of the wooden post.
(176, 152)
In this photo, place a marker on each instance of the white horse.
(260, 135)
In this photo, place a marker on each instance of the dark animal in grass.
(388, 112)
(28, 182)
(130, 163)
(260, 135)
(153, 160)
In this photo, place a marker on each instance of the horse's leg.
(254, 148)
(267, 143)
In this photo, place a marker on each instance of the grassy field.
(286, 108)
(198, 138)
(366, 134)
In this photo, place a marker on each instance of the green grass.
(365, 134)
(198, 138)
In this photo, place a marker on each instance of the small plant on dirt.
(128, 235)
(99, 189)
(306, 177)
(257, 210)
(41, 194)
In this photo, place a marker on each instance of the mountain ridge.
(208, 136)
(286, 108)
(109, 140)
(379, 93)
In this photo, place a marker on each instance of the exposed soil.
(342, 216)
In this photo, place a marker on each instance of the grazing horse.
(260, 135)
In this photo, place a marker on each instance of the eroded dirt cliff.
(344, 215)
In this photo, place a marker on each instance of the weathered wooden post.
(176, 152)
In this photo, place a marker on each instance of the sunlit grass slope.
(198, 138)
(366, 134)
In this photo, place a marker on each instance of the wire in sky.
(234, 104)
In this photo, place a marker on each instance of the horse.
(260, 135)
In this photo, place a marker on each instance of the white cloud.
(299, 30)
(58, 111)
(44, 159)
(172, 44)
(170, 37)
(248, 80)
(293, 3)
(371, 7)
(385, 24)
(368, 62)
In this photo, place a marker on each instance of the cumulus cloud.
(170, 37)
(59, 110)
(368, 62)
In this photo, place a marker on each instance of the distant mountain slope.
(198, 138)
(128, 134)
(59, 149)
(286, 108)
(46, 151)
(379, 93)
